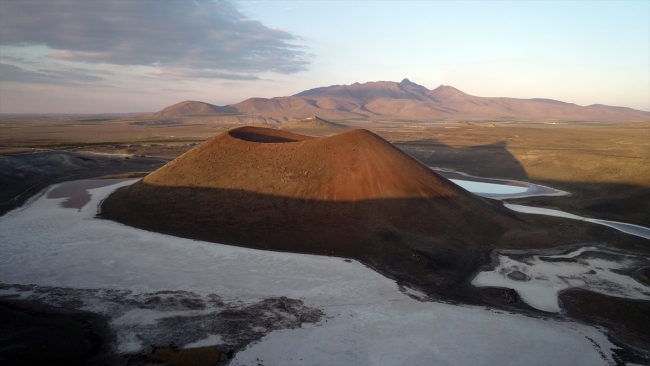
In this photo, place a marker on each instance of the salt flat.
(368, 320)
(538, 278)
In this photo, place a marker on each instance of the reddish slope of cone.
(352, 166)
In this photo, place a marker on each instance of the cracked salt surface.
(153, 285)
(590, 268)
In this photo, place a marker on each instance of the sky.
(69, 56)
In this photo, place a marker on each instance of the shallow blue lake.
(491, 188)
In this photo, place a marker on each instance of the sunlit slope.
(352, 166)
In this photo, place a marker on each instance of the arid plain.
(606, 164)
(599, 155)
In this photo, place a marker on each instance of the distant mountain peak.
(445, 92)
(409, 84)
(446, 88)
(313, 91)
(193, 107)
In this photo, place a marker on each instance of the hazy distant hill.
(193, 108)
(408, 100)
(313, 126)
(312, 122)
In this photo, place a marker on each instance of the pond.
(497, 188)
(503, 189)
(76, 192)
(492, 189)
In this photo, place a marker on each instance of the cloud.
(15, 59)
(65, 77)
(191, 35)
(202, 74)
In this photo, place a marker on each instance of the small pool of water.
(498, 188)
(503, 189)
(76, 191)
(490, 188)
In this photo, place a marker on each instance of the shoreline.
(391, 283)
(506, 307)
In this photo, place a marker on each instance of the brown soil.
(353, 166)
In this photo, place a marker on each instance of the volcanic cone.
(352, 194)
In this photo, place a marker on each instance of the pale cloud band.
(60, 76)
(205, 74)
(181, 39)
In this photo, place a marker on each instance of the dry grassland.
(605, 166)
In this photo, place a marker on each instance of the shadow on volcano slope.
(488, 159)
(412, 239)
(352, 195)
(609, 196)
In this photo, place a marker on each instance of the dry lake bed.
(289, 309)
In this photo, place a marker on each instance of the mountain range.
(387, 100)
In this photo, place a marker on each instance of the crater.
(266, 136)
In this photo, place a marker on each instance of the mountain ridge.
(387, 100)
(192, 107)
